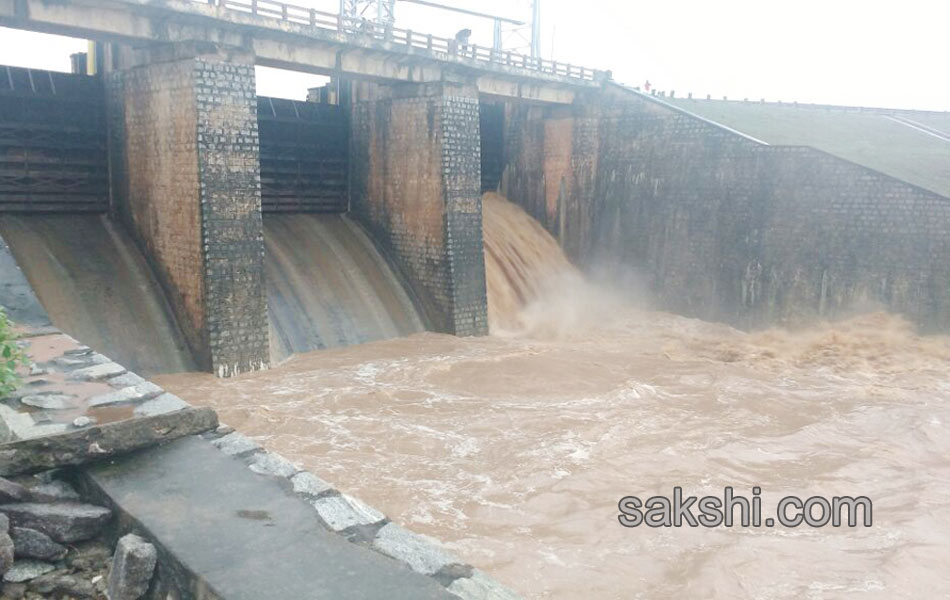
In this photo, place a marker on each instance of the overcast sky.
(855, 52)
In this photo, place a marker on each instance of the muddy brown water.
(514, 449)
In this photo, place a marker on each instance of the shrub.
(11, 356)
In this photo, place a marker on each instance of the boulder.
(132, 568)
(12, 492)
(25, 570)
(81, 446)
(63, 521)
(30, 543)
(6, 545)
(56, 490)
(60, 583)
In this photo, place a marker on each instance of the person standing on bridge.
(461, 39)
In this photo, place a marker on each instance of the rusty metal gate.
(303, 148)
(53, 155)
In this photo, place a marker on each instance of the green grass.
(865, 138)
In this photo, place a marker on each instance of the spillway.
(97, 287)
(328, 286)
(523, 262)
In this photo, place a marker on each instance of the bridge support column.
(415, 183)
(185, 166)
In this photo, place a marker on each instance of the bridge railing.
(405, 37)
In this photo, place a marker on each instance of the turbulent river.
(514, 449)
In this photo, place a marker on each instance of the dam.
(487, 293)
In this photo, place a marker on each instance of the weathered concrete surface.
(721, 226)
(224, 532)
(102, 441)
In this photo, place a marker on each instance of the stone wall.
(154, 164)
(230, 186)
(722, 227)
(184, 162)
(415, 184)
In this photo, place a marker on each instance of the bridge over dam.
(252, 227)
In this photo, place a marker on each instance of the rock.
(48, 401)
(63, 521)
(235, 444)
(481, 587)
(27, 389)
(78, 351)
(310, 485)
(30, 543)
(6, 545)
(35, 370)
(84, 421)
(80, 446)
(275, 465)
(413, 549)
(70, 361)
(89, 556)
(25, 570)
(164, 403)
(96, 372)
(341, 512)
(13, 591)
(132, 568)
(12, 492)
(133, 393)
(62, 583)
(56, 490)
(125, 380)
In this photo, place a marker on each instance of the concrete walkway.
(232, 535)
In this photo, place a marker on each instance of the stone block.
(481, 587)
(63, 522)
(132, 568)
(236, 444)
(341, 512)
(31, 543)
(413, 549)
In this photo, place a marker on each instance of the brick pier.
(186, 180)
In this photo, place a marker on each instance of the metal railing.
(404, 37)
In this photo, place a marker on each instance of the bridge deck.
(292, 37)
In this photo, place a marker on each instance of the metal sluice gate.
(53, 142)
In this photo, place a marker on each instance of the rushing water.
(328, 286)
(96, 286)
(514, 449)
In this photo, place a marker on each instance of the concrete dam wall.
(267, 227)
(127, 279)
(721, 226)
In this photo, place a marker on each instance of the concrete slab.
(240, 536)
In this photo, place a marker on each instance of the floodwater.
(514, 449)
